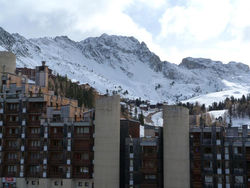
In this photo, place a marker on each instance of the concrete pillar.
(20, 182)
(44, 183)
(176, 147)
(107, 142)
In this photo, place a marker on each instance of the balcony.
(12, 123)
(77, 162)
(147, 170)
(11, 148)
(82, 148)
(238, 171)
(36, 110)
(208, 156)
(34, 123)
(11, 161)
(208, 185)
(197, 156)
(208, 170)
(55, 148)
(34, 174)
(82, 123)
(11, 174)
(149, 155)
(238, 156)
(81, 175)
(32, 135)
(82, 136)
(56, 174)
(207, 141)
(12, 135)
(58, 135)
(57, 160)
(34, 148)
(33, 161)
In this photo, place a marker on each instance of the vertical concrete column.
(107, 142)
(176, 147)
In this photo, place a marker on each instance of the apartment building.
(220, 156)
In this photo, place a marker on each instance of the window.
(150, 177)
(80, 184)
(35, 130)
(12, 143)
(85, 156)
(12, 156)
(208, 179)
(131, 149)
(84, 169)
(35, 169)
(35, 143)
(12, 168)
(238, 179)
(82, 130)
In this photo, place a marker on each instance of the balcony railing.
(208, 156)
(208, 170)
(34, 174)
(11, 148)
(55, 148)
(12, 135)
(207, 141)
(54, 174)
(81, 175)
(11, 161)
(77, 162)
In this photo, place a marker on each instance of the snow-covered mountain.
(123, 64)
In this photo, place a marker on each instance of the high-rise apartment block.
(48, 141)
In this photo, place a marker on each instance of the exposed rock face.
(119, 63)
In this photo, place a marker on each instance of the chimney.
(43, 63)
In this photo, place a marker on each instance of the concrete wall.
(107, 142)
(176, 147)
(7, 63)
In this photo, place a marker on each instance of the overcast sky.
(173, 29)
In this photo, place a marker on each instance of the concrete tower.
(42, 75)
(107, 142)
(7, 64)
(176, 147)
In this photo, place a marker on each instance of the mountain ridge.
(118, 64)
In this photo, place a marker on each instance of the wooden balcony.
(82, 148)
(36, 110)
(33, 123)
(33, 174)
(248, 156)
(12, 135)
(11, 174)
(147, 170)
(149, 155)
(196, 171)
(11, 148)
(77, 162)
(56, 148)
(32, 135)
(33, 161)
(57, 160)
(82, 136)
(11, 161)
(55, 174)
(197, 184)
(81, 175)
(12, 123)
(34, 148)
(58, 135)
